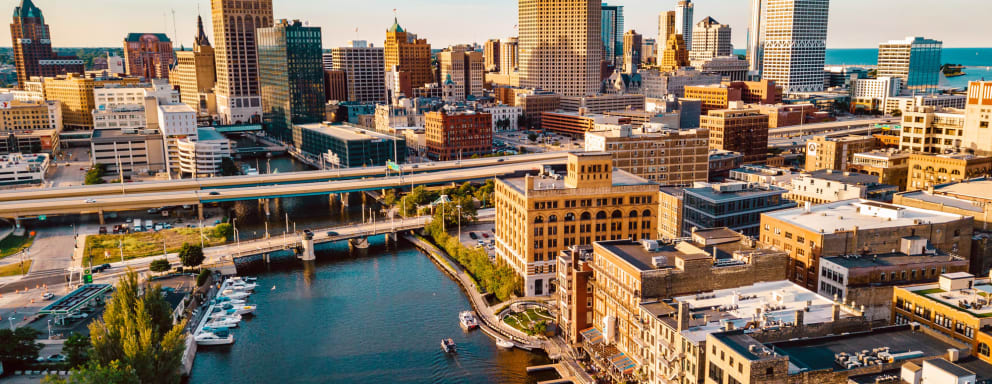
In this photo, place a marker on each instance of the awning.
(623, 363)
(592, 335)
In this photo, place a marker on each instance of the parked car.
(100, 268)
(48, 296)
(485, 235)
(89, 201)
(103, 230)
(57, 358)
(473, 235)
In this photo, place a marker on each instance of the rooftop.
(819, 353)
(557, 182)
(947, 201)
(208, 134)
(853, 178)
(883, 154)
(864, 214)
(345, 132)
(721, 246)
(733, 191)
(176, 108)
(973, 300)
(135, 37)
(888, 259)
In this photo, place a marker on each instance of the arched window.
(942, 170)
(570, 216)
(585, 216)
(617, 214)
(538, 220)
(956, 172)
(553, 219)
(600, 215)
(646, 213)
(633, 214)
(983, 349)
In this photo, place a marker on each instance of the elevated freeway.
(865, 125)
(305, 177)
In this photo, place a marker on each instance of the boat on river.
(467, 320)
(448, 346)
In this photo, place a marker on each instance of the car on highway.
(89, 201)
(332, 234)
(485, 235)
(214, 193)
(48, 296)
(100, 268)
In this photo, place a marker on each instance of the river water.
(372, 316)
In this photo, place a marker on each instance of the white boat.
(505, 344)
(242, 286)
(467, 320)
(448, 346)
(234, 295)
(220, 336)
(245, 309)
(226, 314)
(223, 322)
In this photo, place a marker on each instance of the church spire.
(201, 35)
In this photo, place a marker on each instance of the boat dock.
(562, 371)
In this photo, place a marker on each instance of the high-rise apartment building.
(795, 43)
(465, 68)
(978, 118)
(236, 54)
(195, 74)
(406, 53)
(932, 130)
(509, 56)
(148, 55)
(538, 217)
(611, 33)
(560, 45)
(32, 46)
(491, 53)
(755, 36)
(291, 76)
(683, 20)
(665, 156)
(666, 27)
(363, 68)
(632, 54)
(710, 40)
(738, 130)
(915, 60)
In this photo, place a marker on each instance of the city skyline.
(68, 20)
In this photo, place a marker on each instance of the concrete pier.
(308, 252)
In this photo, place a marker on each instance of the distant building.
(938, 101)
(32, 47)
(234, 24)
(335, 85)
(684, 20)
(347, 146)
(665, 156)
(731, 68)
(715, 97)
(835, 153)
(405, 52)
(915, 60)
(195, 74)
(136, 151)
(710, 40)
(888, 166)
(794, 33)
(491, 54)
(203, 154)
(612, 31)
(364, 74)
(509, 56)
(827, 186)
(632, 51)
(722, 162)
(931, 130)
(75, 95)
(291, 77)
(978, 118)
(658, 84)
(148, 55)
(560, 46)
(734, 205)
(926, 171)
(22, 169)
(455, 135)
(744, 131)
(602, 103)
(670, 209)
(505, 117)
(465, 68)
(675, 54)
(576, 124)
(873, 94)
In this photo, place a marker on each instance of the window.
(983, 349)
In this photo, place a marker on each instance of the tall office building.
(32, 46)
(674, 55)
(491, 53)
(683, 20)
(291, 76)
(195, 74)
(364, 71)
(632, 55)
(795, 40)
(148, 55)
(755, 36)
(611, 32)
(509, 56)
(236, 55)
(666, 27)
(465, 68)
(406, 53)
(712, 39)
(560, 46)
(915, 60)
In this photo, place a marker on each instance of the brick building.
(454, 134)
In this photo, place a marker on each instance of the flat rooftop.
(621, 178)
(763, 190)
(978, 188)
(883, 155)
(345, 132)
(844, 177)
(176, 108)
(117, 133)
(205, 134)
(818, 353)
(947, 201)
(847, 214)
(963, 300)
(889, 260)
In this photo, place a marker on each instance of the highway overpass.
(865, 125)
(30, 204)
(188, 185)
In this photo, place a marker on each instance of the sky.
(853, 23)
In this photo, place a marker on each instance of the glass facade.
(291, 77)
(924, 64)
(740, 211)
(353, 147)
(612, 32)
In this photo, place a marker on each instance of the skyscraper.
(465, 68)
(235, 25)
(491, 53)
(755, 36)
(560, 46)
(365, 74)
(712, 39)
(674, 55)
(195, 74)
(632, 45)
(509, 55)
(666, 27)
(406, 53)
(915, 60)
(148, 55)
(291, 76)
(683, 20)
(32, 45)
(611, 32)
(795, 43)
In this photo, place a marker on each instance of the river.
(374, 316)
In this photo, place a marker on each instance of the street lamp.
(459, 206)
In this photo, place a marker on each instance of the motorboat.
(505, 344)
(448, 346)
(234, 295)
(224, 313)
(242, 286)
(223, 322)
(220, 300)
(215, 336)
(241, 309)
(467, 320)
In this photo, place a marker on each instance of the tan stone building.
(835, 153)
(560, 45)
(406, 53)
(195, 74)
(75, 94)
(855, 227)
(665, 156)
(670, 205)
(30, 115)
(927, 171)
(465, 68)
(235, 23)
(743, 130)
(978, 117)
(931, 130)
(538, 217)
(889, 166)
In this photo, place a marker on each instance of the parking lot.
(546, 141)
(483, 237)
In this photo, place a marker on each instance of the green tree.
(76, 349)
(159, 265)
(228, 168)
(137, 331)
(18, 350)
(202, 277)
(94, 373)
(191, 255)
(224, 230)
(95, 174)
(532, 137)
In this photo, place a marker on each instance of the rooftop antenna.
(175, 33)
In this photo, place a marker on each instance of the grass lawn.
(13, 244)
(523, 321)
(15, 269)
(143, 244)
